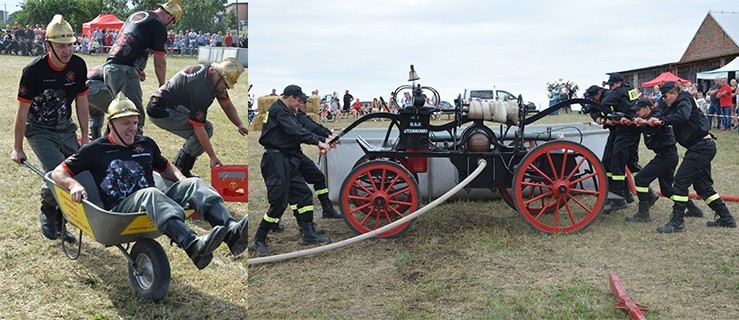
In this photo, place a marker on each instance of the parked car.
(502, 95)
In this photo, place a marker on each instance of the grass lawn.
(479, 260)
(40, 283)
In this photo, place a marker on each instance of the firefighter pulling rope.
(481, 164)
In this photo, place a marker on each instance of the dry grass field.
(39, 282)
(479, 260)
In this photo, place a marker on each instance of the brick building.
(714, 45)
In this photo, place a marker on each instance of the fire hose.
(481, 164)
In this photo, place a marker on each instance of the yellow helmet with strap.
(121, 107)
(230, 69)
(60, 31)
(173, 7)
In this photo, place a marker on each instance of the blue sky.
(366, 46)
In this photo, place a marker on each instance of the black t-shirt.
(191, 88)
(50, 91)
(142, 30)
(118, 171)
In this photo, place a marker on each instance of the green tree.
(75, 12)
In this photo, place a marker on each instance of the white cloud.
(366, 46)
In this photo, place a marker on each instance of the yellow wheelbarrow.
(148, 266)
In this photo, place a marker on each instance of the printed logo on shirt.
(192, 71)
(22, 90)
(69, 76)
(139, 17)
(200, 116)
(138, 148)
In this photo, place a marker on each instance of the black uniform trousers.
(623, 144)
(285, 185)
(662, 168)
(313, 175)
(695, 170)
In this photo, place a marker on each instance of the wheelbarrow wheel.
(560, 187)
(149, 273)
(377, 193)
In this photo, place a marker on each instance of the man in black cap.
(661, 140)
(691, 131)
(624, 142)
(281, 138)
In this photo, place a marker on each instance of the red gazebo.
(102, 21)
(662, 78)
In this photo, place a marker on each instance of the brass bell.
(412, 75)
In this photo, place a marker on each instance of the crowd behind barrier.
(29, 41)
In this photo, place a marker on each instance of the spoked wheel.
(149, 274)
(560, 187)
(377, 193)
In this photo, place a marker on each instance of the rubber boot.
(723, 217)
(236, 232)
(328, 208)
(643, 214)
(317, 229)
(198, 248)
(260, 241)
(676, 223)
(185, 162)
(693, 210)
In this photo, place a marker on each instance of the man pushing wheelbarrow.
(121, 164)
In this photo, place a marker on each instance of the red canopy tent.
(662, 78)
(102, 21)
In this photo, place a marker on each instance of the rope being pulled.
(481, 164)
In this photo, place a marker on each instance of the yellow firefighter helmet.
(60, 31)
(230, 69)
(173, 7)
(121, 107)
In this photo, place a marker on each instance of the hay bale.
(257, 122)
(313, 104)
(265, 102)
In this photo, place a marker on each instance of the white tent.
(720, 72)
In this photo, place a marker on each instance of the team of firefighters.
(51, 82)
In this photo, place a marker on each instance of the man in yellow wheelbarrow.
(121, 164)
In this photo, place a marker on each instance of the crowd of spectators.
(720, 102)
(25, 41)
(29, 41)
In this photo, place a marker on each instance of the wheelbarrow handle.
(28, 165)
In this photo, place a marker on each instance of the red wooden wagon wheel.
(534, 207)
(377, 193)
(560, 187)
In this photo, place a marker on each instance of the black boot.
(723, 217)
(278, 227)
(643, 214)
(47, 218)
(236, 232)
(185, 162)
(653, 197)
(617, 203)
(328, 209)
(199, 248)
(317, 229)
(676, 223)
(260, 242)
(615, 206)
(68, 236)
(628, 197)
(308, 231)
(693, 210)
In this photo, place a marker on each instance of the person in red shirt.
(356, 108)
(724, 98)
(228, 40)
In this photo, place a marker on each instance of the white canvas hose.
(481, 164)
